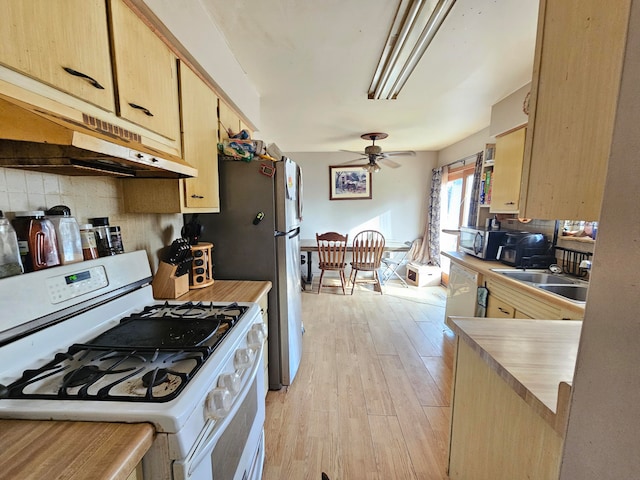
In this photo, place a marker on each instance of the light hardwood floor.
(371, 398)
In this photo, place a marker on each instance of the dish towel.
(483, 294)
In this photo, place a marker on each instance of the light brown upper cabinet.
(62, 43)
(199, 106)
(146, 74)
(229, 120)
(577, 68)
(507, 172)
(200, 141)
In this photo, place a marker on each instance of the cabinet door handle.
(510, 203)
(91, 80)
(196, 196)
(506, 312)
(146, 111)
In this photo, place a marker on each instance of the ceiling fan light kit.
(415, 24)
(373, 153)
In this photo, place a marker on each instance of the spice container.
(103, 236)
(67, 234)
(116, 239)
(88, 242)
(36, 240)
(10, 263)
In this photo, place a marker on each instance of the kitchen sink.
(536, 277)
(572, 289)
(577, 293)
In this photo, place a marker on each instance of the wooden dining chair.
(368, 247)
(332, 248)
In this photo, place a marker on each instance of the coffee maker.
(525, 249)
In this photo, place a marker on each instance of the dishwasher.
(462, 292)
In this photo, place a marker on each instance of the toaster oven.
(481, 242)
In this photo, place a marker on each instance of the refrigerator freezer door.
(288, 195)
(290, 300)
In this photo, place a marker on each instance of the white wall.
(398, 207)
(468, 146)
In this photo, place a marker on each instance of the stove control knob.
(255, 336)
(243, 358)
(230, 381)
(261, 327)
(218, 403)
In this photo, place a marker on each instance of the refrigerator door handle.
(299, 189)
(279, 233)
(296, 232)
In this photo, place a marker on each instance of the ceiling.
(312, 63)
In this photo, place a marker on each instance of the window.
(455, 205)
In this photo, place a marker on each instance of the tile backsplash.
(88, 197)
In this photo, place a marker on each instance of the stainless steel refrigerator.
(256, 236)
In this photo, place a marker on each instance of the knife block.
(166, 285)
(201, 267)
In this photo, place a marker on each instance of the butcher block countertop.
(229, 291)
(536, 358)
(36, 450)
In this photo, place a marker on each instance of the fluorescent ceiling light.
(415, 25)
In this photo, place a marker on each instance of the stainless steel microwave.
(481, 242)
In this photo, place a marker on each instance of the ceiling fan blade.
(351, 151)
(407, 153)
(354, 161)
(389, 163)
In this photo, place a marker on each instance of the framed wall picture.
(349, 183)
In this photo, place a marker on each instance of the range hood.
(39, 141)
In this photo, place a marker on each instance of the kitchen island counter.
(512, 384)
(72, 450)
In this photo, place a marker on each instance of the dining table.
(310, 245)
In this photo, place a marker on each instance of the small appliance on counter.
(481, 242)
(525, 250)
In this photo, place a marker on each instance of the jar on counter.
(116, 239)
(67, 234)
(88, 242)
(103, 236)
(36, 240)
(10, 262)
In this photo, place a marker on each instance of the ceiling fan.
(374, 154)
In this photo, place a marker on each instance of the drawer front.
(525, 303)
(496, 308)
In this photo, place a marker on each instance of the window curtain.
(428, 253)
(475, 192)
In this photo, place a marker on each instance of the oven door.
(232, 448)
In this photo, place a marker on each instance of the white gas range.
(87, 341)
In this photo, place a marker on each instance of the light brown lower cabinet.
(137, 473)
(495, 434)
(497, 308)
(505, 301)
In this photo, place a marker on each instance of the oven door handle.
(204, 446)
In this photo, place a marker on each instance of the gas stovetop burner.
(149, 356)
(199, 310)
